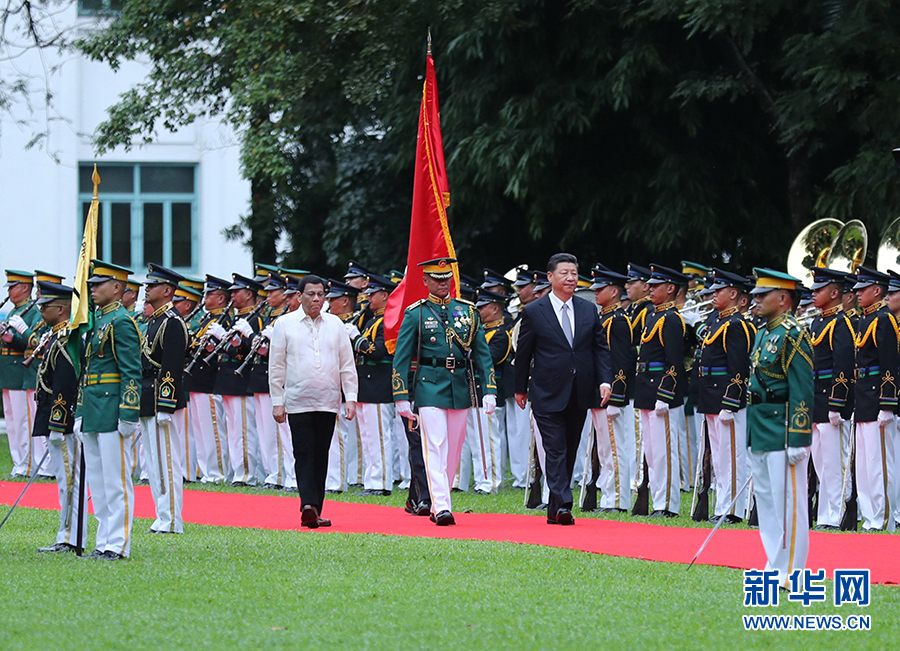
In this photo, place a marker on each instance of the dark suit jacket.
(555, 368)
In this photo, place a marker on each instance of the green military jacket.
(441, 334)
(111, 378)
(12, 354)
(781, 388)
(35, 332)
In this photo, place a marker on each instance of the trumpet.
(702, 308)
(204, 340)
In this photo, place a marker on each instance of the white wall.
(39, 208)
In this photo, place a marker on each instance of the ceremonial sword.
(30, 481)
(719, 523)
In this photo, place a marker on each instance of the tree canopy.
(661, 130)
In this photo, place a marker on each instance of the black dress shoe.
(564, 517)
(56, 548)
(409, 507)
(424, 508)
(825, 527)
(239, 484)
(111, 556)
(374, 492)
(662, 513)
(610, 509)
(309, 517)
(443, 519)
(541, 507)
(322, 522)
(94, 554)
(331, 492)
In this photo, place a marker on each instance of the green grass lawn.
(223, 588)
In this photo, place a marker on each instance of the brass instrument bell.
(811, 248)
(849, 248)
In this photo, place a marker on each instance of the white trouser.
(615, 493)
(875, 474)
(660, 440)
(208, 421)
(243, 443)
(687, 451)
(443, 432)
(376, 430)
(578, 469)
(481, 451)
(537, 445)
(783, 515)
(336, 477)
(65, 463)
(138, 467)
(16, 410)
(107, 458)
(728, 449)
(164, 465)
(402, 471)
(353, 454)
(827, 460)
(39, 443)
(276, 451)
(518, 441)
(188, 443)
(631, 445)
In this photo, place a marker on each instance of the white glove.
(76, 429)
(834, 418)
(885, 417)
(56, 437)
(691, 317)
(44, 337)
(661, 408)
(243, 326)
(796, 455)
(267, 331)
(17, 323)
(127, 428)
(216, 330)
(489, 403)
(352, 330)
(613, 412)
(163, 418)
(726, 416)
(405, 409)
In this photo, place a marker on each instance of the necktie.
(567, 324)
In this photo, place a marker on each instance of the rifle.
(642, 499)
(703, 481)
(204, 340)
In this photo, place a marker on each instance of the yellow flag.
(81, 300)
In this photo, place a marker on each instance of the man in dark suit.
(562, 349)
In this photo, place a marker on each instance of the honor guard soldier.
(275, 448)
(57, 392)
(109, 410)
(357, 277)
(848, 300)
(187, 303)
(638, 290)
(445, 336)
(537, 465)
(482, 448)
(724, 368)
(518, 421)
(659, 388)
(162, 398)
(379, 428)
(240, 408)
(611, 450)
(16, 333)
(877, 369)
(834, 357)
(345, 457)
(207, 410)
(779, 424)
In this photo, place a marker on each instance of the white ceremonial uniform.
(376, 423)
(728, 447)
(208, 420)
(165, 462)
(615, 491)
(65, 457)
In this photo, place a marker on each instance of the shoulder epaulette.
(416, 304)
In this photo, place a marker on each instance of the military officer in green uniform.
(109, 408)
(18, 409)
(779, 424)
(446, 338)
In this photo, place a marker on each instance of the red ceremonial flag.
(429, 233)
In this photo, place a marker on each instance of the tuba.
(849, 248)
(812, 248)
(888, 257)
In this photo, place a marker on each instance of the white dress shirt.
(310, 363)
(557, 304)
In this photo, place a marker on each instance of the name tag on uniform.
(431, 323)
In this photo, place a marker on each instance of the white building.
(167, 202)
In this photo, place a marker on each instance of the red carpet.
(729, 547)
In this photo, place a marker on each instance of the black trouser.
(311, 434)
(561, 434)
(418, 483)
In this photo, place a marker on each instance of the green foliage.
(618, 129)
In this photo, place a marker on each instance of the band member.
(877, 363)
(614, 447)
(659, 388)
(109, 409)
(442, 334)
(162, 398)
(57, 392)
(834, 351)
(722, 377)
(779, 424)
(637, 291)
(518, 421)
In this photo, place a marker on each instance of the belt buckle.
(450, 363)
